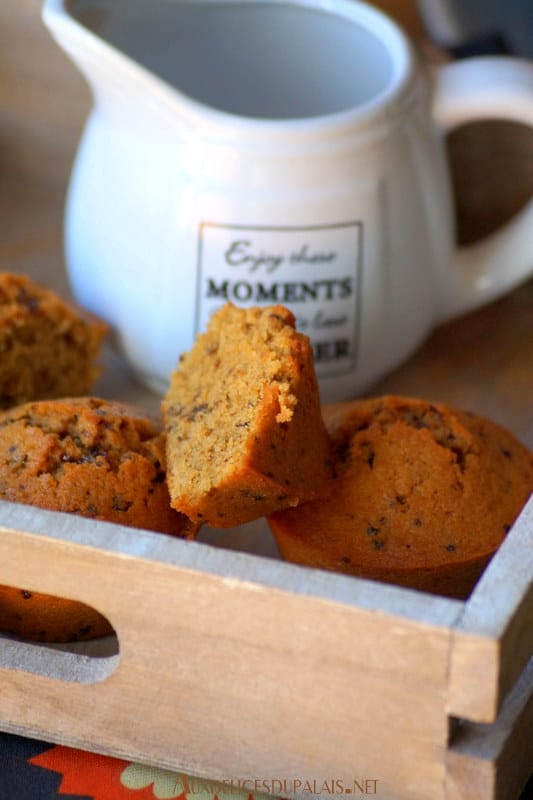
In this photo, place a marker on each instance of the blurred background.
(44, 102)
(483, 361)
(468, 27)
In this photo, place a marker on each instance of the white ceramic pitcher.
(276, 151)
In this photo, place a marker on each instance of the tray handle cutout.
(55, 637)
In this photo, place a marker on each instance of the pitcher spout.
(81, 28)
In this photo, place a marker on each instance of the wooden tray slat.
(494, 637)
(235, 664)
(495, 761)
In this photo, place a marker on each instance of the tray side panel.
(493, 640)
(227, 678)
(494, 762)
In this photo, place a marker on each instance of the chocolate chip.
(460, 458)
(120, 504)
(201, 408)
(31, 302)
(342, 451)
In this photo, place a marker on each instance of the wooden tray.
(229, 665)
(235, 665)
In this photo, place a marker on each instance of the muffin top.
(88, 456)
(418, 485)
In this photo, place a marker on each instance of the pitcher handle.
(472, 90)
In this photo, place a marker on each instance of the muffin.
(47, 347)
(242, 416)
(86, 456)
(423, 496)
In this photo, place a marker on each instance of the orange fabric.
(91, 774)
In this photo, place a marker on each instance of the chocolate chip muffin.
(86, 456)
(242, 415)
(48, 348)
(423, 496)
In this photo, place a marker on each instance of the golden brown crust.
(87, 456)
(48, 348)
(423, 496)
(242, 415)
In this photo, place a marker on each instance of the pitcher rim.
(55, 13)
